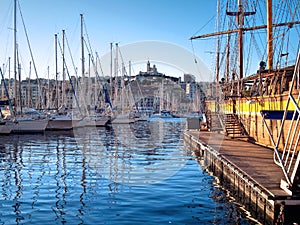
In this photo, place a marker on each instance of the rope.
(41, 101)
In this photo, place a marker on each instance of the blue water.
(138, 174)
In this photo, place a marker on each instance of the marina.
(145, 132)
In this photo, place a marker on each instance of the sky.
(106, 21)
(126, 22)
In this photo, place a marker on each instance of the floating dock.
(248, 171)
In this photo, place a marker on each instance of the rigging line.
(31, 54)
(287, 45)
(7, 16)
(94, 64)
(297, 6)
(98, 59)
(204, 25)
(249, 58)
(95, 67)
(90, 52)
(28, 42)
(102, 87)
(5, 67)
(88, 39)
(195, 58)
(71, 82)
(9, 39)
(125, 71)
(193, 49)
(69, 49)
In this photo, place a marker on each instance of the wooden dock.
(249, 172)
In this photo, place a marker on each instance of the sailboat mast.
(19, 87)
(270, 34)
(15, 53)
(63, 72)
(82, 48)
(83, 85)
(29, 87)
(111, 67)
(56, 73)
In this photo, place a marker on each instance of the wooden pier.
(248, 171)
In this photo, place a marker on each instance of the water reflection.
(122, 156)
(94, 176)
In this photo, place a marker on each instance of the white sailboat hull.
(60, 123)
(30, 126)
(122, 119)
(6, 128)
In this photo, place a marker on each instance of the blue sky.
(122, 21)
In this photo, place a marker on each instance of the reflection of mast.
(83, 178)
(18, 182)
(60, 178)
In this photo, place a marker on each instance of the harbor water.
(127, 174)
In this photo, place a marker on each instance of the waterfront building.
(147, 91)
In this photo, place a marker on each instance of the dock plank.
(253, 160)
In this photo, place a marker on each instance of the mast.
(56, 73)
(116, 74)
(270, 34)
(82, 48)
(240, 18)
(19, 87)
(240, 15)
(218, 44)
(63, 72)
(29, 87)
(83, 87)
(15, 53)
(9, 85)
(48, 103)
(227, 59)
(111, 67)
(89, 91)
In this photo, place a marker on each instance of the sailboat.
(60, 120)
(122, 113)
(23, 123)
(6, 126)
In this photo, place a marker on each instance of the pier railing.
(288, 158)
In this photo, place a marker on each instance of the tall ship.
(262, 106)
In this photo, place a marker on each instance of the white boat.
(6, 127)
(29, 125)
(164, 114)
(100, 121)
(60, 122)
(122, 119)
